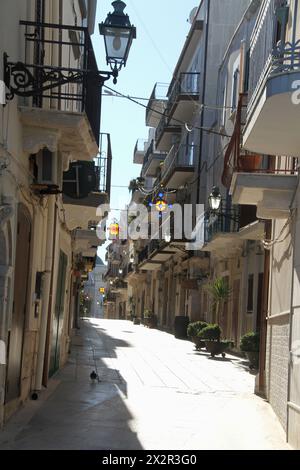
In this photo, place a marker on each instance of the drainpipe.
(264, 313)
(203, 100)
(51, 227)
(295, 21)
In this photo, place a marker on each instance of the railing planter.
(250, 162)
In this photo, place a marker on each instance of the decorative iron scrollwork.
(22, 82)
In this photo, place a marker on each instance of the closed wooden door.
(57, 325)
(235, 311)
(16, 332)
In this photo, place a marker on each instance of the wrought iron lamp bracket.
(20, 80)
(219, 213)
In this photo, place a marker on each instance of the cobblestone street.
(155, 392)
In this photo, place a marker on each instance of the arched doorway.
(16, 331)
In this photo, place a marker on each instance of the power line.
(204, 106)
(204, 129)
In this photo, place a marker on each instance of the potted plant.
(150, 319)
(250, 346)
(193, 333)
(220, 292)
(212, 337)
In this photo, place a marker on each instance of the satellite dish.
(193, 15)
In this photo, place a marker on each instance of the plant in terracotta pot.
(212, 337)
(193, 333)
(250, 346)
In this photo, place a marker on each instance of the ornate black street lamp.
(215, 207)
(118, 35)
(36, 77)
(215, 199)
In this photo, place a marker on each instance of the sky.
(162, 27)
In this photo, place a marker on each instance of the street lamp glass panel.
(215, 199)
(118, 35)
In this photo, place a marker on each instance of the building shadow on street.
(82, 414)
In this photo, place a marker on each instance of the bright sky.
(162, 26)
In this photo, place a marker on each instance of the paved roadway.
(155, 392)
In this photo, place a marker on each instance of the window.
(250, 293)
(224, 111)
(282, 14)
(235, 84)
(247, 70)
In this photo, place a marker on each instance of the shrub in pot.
(250, 345)
(212, 335)
(193, 333)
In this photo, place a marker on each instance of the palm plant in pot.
(250, 346)
(212, 337)
(193, 333)
(220, 292)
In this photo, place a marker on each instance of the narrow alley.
(155, 392)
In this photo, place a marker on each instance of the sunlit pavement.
(155, 392)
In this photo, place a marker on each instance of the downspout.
(46, 293)
(264, 313)
(203, 100)
(295, 22)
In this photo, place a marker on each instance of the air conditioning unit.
(46, 173)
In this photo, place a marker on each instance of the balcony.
(184, 97)
(272, 126)
(224, 233)
(164, 134)
(157, 104)
(152, 161)
(271, 193)
(154, 255)
(139, 151)
(179, 165)
(254, 180)
(67, 116)
(86, 241)
(221, 230)
(137, 195)
(86, 186)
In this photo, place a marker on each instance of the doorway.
(58, 314)
(235, 311)
(16, 331)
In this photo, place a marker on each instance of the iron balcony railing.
(180, 156)
(84, 181)
(226, 221)
(237, 161)
(150, 154)
(267, 58)
(56, 53)
(159, 93)
(146, 253)
(104, 164)
(140, 146)
(186, 86)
